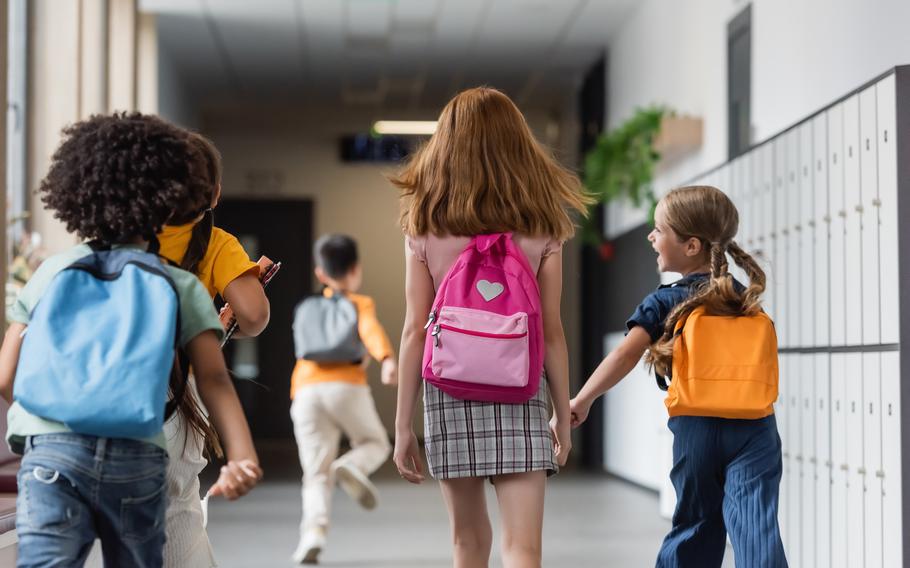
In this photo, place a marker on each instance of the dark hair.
(336, 255)
(115, 178)
(206, 169)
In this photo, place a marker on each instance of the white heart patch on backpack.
(489, 290)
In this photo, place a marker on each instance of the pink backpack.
(485, 332)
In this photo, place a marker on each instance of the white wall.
(805, 54)
(174, 102)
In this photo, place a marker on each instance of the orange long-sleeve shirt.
(372, 335)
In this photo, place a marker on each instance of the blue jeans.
(727, 479)
(75, 488)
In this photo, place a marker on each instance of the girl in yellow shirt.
(217, 258)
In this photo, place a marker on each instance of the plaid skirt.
(466, 438)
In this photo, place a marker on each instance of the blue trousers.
(74, 488)
(727, 479)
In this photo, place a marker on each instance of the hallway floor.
(591, 520)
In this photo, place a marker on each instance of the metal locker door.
(781, 242)
(805, 233)
(887, 194)
(838, 214)
(869, 212)
(807, 466)
(853, 240)
(823, 478)
(794, 271)
(822, 230)
(785, 425)
(750, 204)
(855, 496)
(839, 523)
(890, 474)
(872, 458)
(767, 240)
(794, 433)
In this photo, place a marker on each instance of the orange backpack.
(723, 366)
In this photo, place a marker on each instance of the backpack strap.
(662, 382)
(483, 243)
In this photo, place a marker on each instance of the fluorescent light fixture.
(418, 127)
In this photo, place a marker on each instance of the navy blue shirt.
(652, 313)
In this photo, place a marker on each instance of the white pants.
(321, 413)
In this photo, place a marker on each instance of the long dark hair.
(206, 167)
(705, 213)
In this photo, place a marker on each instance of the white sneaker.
(357, 485)
(311, 544)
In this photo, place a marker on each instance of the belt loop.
(28, 443)
(100, 447)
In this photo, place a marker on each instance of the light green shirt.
(197, 314)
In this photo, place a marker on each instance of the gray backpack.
(326, 331)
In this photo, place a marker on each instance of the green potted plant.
(622, 163)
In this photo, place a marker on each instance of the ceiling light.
(414, 127)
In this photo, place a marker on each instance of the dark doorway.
(592, 110)
(739, 83)
(283, 231)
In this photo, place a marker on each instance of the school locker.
(853, 266)
(806, 463)
(794, 436)
(887, 195)
(738, 189)
(855, 486)
(792, 212)
(822, 460)
(872, 458)
(784, 427)
(838, 213)
(869, 213)
(839, 523)
(891, 460)
(805, 233)
(782, 241)
(766, 239)
(749, 212)
(822, 231)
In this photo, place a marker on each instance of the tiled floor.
(591, 520)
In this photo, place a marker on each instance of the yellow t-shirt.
(224, 260)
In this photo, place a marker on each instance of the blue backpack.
(99, 350)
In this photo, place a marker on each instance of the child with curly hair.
(91, 468)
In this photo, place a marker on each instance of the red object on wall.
(607, 251)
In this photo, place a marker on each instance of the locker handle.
(877, 202)
(859, 208)
(799, 458)
(880, 474)
(842, 213)
(861, 470)
(867, 143)
(886, 135)
(786, 454)
(805, 171)
(813, 461)
(811, 223)
(828, 463)
(844, 467)
(827, 218)
(889, 409)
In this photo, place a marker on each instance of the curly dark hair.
(116, 178)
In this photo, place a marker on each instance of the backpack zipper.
(435, 334)
(430, 321)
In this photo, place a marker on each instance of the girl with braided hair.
(726, 471)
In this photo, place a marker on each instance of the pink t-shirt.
(440, 253)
